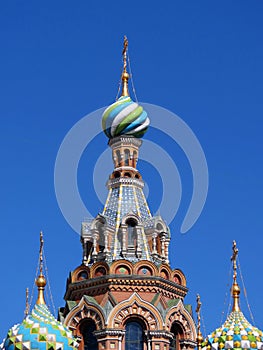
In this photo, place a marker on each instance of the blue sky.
(200, 59)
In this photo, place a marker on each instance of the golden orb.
(125, 75)
(41, 281)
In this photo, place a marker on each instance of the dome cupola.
(39, 329)
(125, 117)
(236, 332)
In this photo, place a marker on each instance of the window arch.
(126, 156)
(87, 329)
(100, 226)
(132, 234)
(118, 154)
(134, 159)
(134, 335)
(177, 332)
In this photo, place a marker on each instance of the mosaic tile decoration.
(39, 330)
(132, 200)
(236, 333)
(121, 201)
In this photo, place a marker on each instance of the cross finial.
(27, 302)
(234, 259)
(41, 281)
(125, 48)
(125, 75)
(198, 306)
(41, 252)
(198, 311)
(235, 290)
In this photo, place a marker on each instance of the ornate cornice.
(112, 282)
(118, 140)
(125, 181)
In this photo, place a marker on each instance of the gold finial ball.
(235, 289)
(41, 281)
(199, 338)
(125, 76)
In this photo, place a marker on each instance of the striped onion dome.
(125, 117)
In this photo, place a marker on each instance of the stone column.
(95, 237)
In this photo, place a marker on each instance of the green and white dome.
(125, 117)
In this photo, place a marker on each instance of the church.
(125, 295)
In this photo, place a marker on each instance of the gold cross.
(234, 258)
(41, 251)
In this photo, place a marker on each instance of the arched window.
(134, 159)
(177, 333)
(126, 157)
(118, 154)
(87, 329)
(101, 241)
(134, 335)
(131, 233)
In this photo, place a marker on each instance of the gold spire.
(235, 290)
(199, 338)
(125, 75)
(27, 302)
(41, 281)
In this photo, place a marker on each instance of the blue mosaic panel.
(128, 204)
(143, 207)
(132, 200)
(112, 206)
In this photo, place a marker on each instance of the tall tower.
(125, 295)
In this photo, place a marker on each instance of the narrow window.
(131, 233)
(126, 157)
(101, 241)
(134, 159)
(177, 332)
(134, 336)
(118, 154)
(87, 329)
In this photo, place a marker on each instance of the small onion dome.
(39, 330)
(236, 333)
(125, 117)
